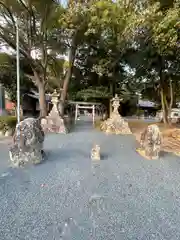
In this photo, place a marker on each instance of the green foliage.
(114, 23)
(93, 93)
(39, 36)
(162, 27)
(7, 122)
(55, 74)
(8, 75)
(113, 46)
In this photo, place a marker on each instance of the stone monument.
(150, 142)
(115, 124)
(54, 122)
(95, 153)
(27, 144)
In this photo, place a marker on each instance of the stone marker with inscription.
(27, 144)
(115, 124)
(150, 142)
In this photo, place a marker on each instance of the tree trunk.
(66, 83)
(110, 108)
(61, 108)
(42, 100)
(68, 75)
(112, 87)
(164, 108)
(113, 83)
(171, 96)
(67, 79)
(167, 103)
(162, 92)
(42, 97)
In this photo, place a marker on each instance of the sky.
(63, 2)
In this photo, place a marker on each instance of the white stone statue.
(95, 153)
(55, 101)
(116, 103)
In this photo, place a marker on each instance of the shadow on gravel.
(62, 155)
(65, 155)
(56, 155)
(83, 125)
(104, 156)
(164, 154)
(12, 172)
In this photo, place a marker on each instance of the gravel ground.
(69, 197)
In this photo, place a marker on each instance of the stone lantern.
(116, 124)
(55, 100)
(54, 122)
(116, 103)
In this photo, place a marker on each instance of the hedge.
(7, 122)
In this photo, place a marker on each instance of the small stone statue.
(150, 142)
(95, 153)
(27, 144)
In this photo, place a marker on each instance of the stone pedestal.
(27, 144)
(115, 124)
(54, 123)
(150, 142)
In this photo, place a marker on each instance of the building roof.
(146, 103)
(35, 95)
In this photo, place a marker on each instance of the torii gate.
(86, 106)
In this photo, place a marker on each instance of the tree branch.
(9, 12)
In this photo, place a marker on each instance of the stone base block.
(143, 154)
(19, 157)
(56, 125)
(97, 158)
(116, 125)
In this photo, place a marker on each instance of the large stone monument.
(115, 124)
(27, 144)
(150, 142)
(54, 122)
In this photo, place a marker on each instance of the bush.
(7, 122)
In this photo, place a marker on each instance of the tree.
(113, 24)
(99, 57)
(74, 23)
(8, 76)
(55, 74)
(37, 23)
(157, 46)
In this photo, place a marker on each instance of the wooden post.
(76, 113)
(93, 114)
